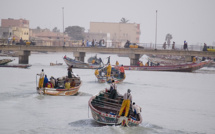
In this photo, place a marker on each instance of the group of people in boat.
(127, 101)
(118, 74)
(64, 82)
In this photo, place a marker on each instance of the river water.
(172, 102)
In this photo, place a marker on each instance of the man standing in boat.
(42, 75)
(113, 90)
(122, 71)
(127, 100)
(108, 70)
(70, 71)
(108, 62)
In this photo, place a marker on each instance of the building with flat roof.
(118, 32)
(10, 22)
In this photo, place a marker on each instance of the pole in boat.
(156, 31)
(63, 27)
(36, 80)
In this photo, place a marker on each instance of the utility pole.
(63, 27)
(156, 31)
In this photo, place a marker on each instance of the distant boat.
(80, 64)
(16, 65)
(5, 61)
(105, 110)
(56, 64)
(115, 75)
(187, 67)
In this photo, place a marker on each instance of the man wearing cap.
(127, 99)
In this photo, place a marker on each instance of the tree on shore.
(75, 32)
(55, 29)
(168, 39)
(38, 28)
(123, 20)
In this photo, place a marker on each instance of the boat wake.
(142, 128)
(83, 94)
(152, 128)
(85, 123)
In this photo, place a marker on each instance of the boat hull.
(58, 92)
(175, 68)
(108, 119)
(81, 65)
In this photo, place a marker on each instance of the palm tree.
(123, 20)
(168, 39)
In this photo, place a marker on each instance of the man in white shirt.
(136, 109)
(41, 80)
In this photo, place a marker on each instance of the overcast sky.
(190, 20)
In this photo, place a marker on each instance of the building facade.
(118, 32)
(14, 29)
(10, 22)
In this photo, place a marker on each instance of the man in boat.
(122, 71)
(127, 99)
(141, 63)
(113, 92)
(41, 80)
(72, 84)
(136, 109)
(108, 62)
(45, 81)
(52, 80)
(194, 59)
(117, 63)
(108, 70)
(70, 71)
(67, 84)
(96, 72)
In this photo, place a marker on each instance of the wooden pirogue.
(188, 67)
(115, 75)
(105, 110)
(60, 89)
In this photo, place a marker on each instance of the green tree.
(75, 32)
(168, 39)
(123, 20)
(38, 28)
(55, 29)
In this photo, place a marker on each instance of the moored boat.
(59, 89)
(188, 67)
(56, 64)
(16, 65)
(5, 61)
(105, 110)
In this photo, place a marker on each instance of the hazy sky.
(190, 20)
